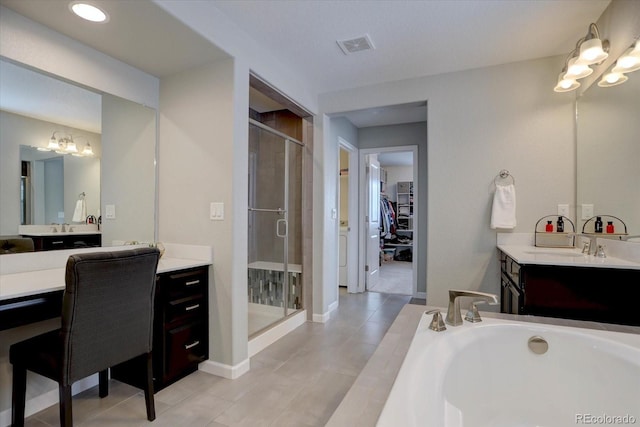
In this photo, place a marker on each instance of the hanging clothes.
(387, 218)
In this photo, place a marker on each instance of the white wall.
(396, 174)
(204, 159)
(482, 121)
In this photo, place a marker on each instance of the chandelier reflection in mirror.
(65, 144)
(590, 50)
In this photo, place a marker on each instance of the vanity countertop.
(61, 233)
(569, 257)
(35, 282)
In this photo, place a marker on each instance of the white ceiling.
(411, 38)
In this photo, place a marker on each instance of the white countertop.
(61, 233)
(42, 281)
(570, 257)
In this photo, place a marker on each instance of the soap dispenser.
(560, 225)
(549, 227)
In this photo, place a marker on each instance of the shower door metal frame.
(285, 212)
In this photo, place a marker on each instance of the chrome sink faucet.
(454, 316)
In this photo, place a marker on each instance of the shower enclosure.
(275, 234)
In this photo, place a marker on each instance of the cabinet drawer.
(192, 306)
(186, 347)
(181, 284)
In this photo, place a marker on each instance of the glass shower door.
(268, 272)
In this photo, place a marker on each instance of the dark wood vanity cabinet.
(607, 295)
(181, 331)
(66, 241)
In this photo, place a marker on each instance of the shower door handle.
(286, 227)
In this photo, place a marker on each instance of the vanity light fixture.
(592, 49)
(629, 61)
(566, 84)
(612, 79)
(589, 50)
(89, 12)
(66, 145)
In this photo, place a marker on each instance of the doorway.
(397, 208)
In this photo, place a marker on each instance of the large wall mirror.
(608, 151)
(114, 166)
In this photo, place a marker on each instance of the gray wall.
(479, 122)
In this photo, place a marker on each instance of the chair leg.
(103, 383)
(66, 412)
(148, 390)
(18, 396)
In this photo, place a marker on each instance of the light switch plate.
(110, 211)
(587, 211)
(563, 210)
(216, 211)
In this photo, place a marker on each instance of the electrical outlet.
(587, 211)
(563, 210)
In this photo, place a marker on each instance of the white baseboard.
(323, 318)
(265, 339)
(47, 399)
(225, 371)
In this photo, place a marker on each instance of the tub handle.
(437, 323)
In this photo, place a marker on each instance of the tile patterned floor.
(298, 381)
(396, 277)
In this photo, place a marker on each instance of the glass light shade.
(88, 151)
(71, 147)
(577, 70)
(591, 52)
(627, 63)
(88, 12)
(53, 144)
(612, 79)
(565, 84)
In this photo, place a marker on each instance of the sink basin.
(558, 254)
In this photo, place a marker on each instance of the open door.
(372, 221)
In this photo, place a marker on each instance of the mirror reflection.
(105, 157)
(608, 151)
(51, 184)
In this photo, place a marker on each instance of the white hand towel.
(80, 212)
(503, 213)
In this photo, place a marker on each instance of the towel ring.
(504, 174)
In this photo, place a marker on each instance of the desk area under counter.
(181, 305)
(565, 283)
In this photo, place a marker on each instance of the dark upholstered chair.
(107, 318)
(15, 245)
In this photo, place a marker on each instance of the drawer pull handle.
(191, 307)
(58, 242)
(193, 344)
(193, 282)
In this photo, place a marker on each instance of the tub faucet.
(454, 317)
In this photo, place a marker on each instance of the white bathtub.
(484, 375)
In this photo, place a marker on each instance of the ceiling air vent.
(356, 45)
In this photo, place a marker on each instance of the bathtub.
(485, 375)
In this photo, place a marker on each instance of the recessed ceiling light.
(88, 11)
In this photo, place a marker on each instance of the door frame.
(353, 232)
(361, 219)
